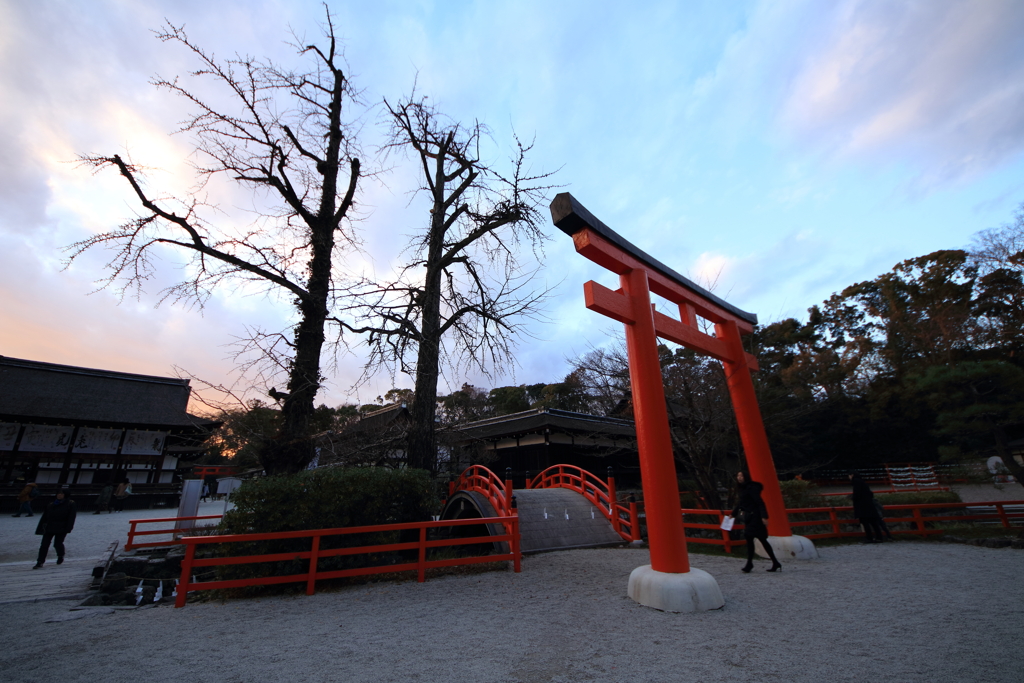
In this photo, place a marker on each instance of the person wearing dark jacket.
(865, 510)
(57, 522)
(103, 500)
(754, 514)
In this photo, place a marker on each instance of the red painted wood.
(751, 428)
(185, 584)
(665, 532)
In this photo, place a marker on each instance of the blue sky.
(778, 151)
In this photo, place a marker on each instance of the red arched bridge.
(562, 507)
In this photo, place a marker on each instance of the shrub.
(324, 499)
(798, 493)
(331, 497)
(917, 497)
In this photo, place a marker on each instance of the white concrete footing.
(694, 591)
(789, 548)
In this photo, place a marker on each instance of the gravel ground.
(987, 493)
(905, 611)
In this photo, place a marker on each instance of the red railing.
(726, 541)
(916, 516)
(921, 523)
(175, 531)
(623, 518)
(480, 479)
(314, 554)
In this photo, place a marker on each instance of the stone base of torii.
(669, 583)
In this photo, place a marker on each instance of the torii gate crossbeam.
(640, 275)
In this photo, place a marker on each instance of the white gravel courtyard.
(904, 611)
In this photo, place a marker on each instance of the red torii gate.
(640, 275)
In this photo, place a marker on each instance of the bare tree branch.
(286, 139)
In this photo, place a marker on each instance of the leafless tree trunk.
(288, 143)
(463, 293)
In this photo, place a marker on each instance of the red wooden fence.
(312, 575)
(836, 518)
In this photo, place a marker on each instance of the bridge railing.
(480, 479)
(601, 493)
(187, 582)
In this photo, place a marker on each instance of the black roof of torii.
(570, 217)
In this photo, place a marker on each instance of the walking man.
(57, 522)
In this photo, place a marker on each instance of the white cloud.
(938, 85)
(934, 87)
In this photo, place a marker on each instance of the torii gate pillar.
(669, 583)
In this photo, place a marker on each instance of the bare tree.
(705, 442)
(287, 141)
(605, 377)
(463, 293)
(1000, 248)
(701, 421)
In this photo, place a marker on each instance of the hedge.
(324, 499)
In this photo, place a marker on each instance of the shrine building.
(62, 425)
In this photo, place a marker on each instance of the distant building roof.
(547, 418)
(33, 390)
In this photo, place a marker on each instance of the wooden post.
(657, 465)
(612, 511)
(131, 535)
(313, 560)
(755, 441)
(634, 523)
(1002, 515)
(421, 569)
(517, 553)
(186, 575)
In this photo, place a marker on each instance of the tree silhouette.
(463, 293)
(287, 141)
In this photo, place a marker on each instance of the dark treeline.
(922, 363)
(236, 442)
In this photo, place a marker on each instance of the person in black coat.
(754, 514)
(865, 510)
(57, 522)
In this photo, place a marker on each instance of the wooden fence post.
(1002, 515)
(422, 561)
(919, 521)
(186, 575)
(517, 554)
(725, 534)
(131, 535)
(313, 556)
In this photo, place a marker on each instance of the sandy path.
(906, 611)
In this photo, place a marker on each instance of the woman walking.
(865, 510)
(57, 522)
(754, 514)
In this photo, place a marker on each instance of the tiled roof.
(50, 392)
